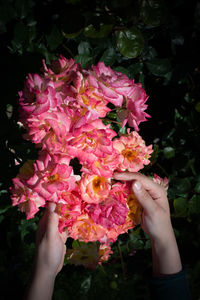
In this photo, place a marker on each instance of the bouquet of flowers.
(65, 112)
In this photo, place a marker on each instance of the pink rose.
(94, 188)
(134, 154)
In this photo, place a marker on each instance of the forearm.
(165, 256)
(41, 286)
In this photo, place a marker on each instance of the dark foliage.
(157, 43)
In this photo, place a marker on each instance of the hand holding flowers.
(156, 221)
(63, 111)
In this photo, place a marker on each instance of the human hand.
(156, 222)
(50, 244)
(153, 198)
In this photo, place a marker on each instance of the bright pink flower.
(134, 154)
(90, 141)
(113, 210)
(52, 178)
(94, 189)
(113, 233)
(69, 207)
(27, 200)
(61, 71)
(135, 113)
(89, 97)
(108, 213)
(86, 230)
(162, 181)
(38, 96)
(79, 115)
(114, 86)
(104, 166)
(50, 129)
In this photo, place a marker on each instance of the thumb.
(143, 197)
(52, 220)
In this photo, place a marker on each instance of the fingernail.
(137, 186)
(51, 206)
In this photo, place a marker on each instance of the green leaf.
(137, 243)
(180, 206)
(153, 12)
(122, 70)
(123, 130)
(3, 210)
(85, 285)
(7, 12)
(194, 204)
(84, 60)
(72, 35)
(136, 240)
(130, 42)
(111, 115)
(60, 294)
(54, 39)
(147, 245)
(72, 23)
(114, 285)
(103, 31)
(76, 244)
(154, 155)
(26, 227)
(158, 66)
(117, 5)
(197, 188)
(23, 7)
(84, 48)
(135, 68)
(197, 107)
(180, 186)
(109, 56)
(169, 152)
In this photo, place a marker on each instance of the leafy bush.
(155, 42)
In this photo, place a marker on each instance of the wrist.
(165, 254)
(41, 284)
(165, 239)
(43, 272)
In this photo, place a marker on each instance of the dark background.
(157, 43)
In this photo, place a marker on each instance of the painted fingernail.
(137, 185)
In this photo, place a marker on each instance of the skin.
(50, 253)
(156, 222)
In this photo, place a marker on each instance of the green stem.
(102, 269)
(162, 169)
(68, 50)
(122, 261)
(106, 119)
(78, 243)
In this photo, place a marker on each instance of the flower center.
(53, 178)
(132, 203)
(135, 209)
(129, 154)
(97, 183)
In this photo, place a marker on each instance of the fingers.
(52, 223)
(144, 197)
(52, 220)
(153, 188)
(64, 235)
